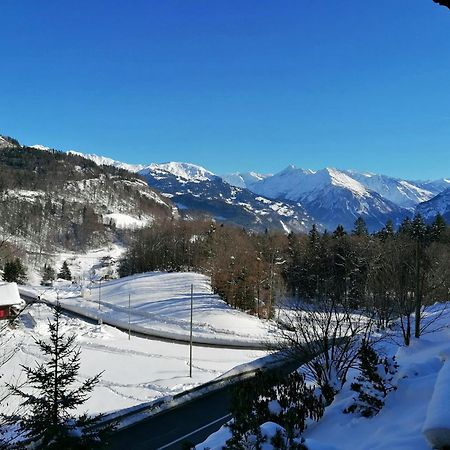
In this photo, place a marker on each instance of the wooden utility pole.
(190, 338)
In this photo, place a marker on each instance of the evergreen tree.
(49, 406)
(387, 231)
(373, 383)
(405, 226)
(65, 273)
(48, 275)
(437, 227)
(339, 232)
(288, 401)
(14, 272)
(360, 228)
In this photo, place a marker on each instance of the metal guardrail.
(167, 403)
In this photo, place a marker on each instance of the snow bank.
(437, 424)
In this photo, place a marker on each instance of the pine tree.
(373, 383)
(14, 272)
(437, 227)
(65, 273)
(360, 228)
(49, 405)
(339, 232)
(48, 275)
(387, 232)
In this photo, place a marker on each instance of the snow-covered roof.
(9, 294)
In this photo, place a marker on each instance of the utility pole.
(129, 316)
(190, 339)
(99, 293)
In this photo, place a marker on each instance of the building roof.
(9, 294)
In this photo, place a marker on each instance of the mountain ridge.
(328, 196)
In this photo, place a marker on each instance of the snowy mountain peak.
(341, 179)
(40, 147)
(186, 171)
(105, 161)
(7, 142)
(244, 179)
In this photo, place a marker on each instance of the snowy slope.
(184, 172)
(5, 142)
(418, 404)
(204, 194)
(439, 204)
(104, 161)
(135, 371)
(243, 179)
(434, 186)
(403, 193)
(331, 196)
(160, 306)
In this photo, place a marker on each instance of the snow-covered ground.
(419, 403)
(160, 306)
(135, 371)
(94, 264)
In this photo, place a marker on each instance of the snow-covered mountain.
(7, 142)
(184, 172)
(439, 204)
(435, 186)
(197, 191)
(331, 196)
(200, 192)
(403, 193)
(244, 179)
(291, 199)
(104, 161)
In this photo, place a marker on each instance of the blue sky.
(233, 85)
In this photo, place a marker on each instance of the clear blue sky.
(232, 84)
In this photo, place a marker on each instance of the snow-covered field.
(420, 402)
(135, 371)
(160, 306)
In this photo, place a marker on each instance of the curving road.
(190, 423)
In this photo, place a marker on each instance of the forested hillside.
(51, 200)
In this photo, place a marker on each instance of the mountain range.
(293, 198)
(290, 200)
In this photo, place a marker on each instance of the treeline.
(389, 272)
(245, 268)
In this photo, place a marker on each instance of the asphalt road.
(189, 423)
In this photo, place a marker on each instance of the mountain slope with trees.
(51, 200)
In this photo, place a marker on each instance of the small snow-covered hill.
(160, 306)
